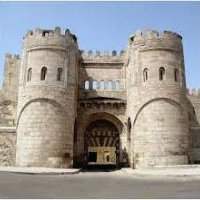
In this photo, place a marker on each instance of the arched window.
(101, 85)
(161, 73)
(113, 85)
(176, 75)
(117, 84)
(43, 73)
(110, 85)
(145, 74)
(94, 85)
(87, 85)
(59, 74)
(29, 74)
(106, 85)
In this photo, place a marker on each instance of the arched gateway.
(102, 143)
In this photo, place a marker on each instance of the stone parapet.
(103, 57)
(40, 38)
(154, 39)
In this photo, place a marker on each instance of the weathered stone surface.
(7, 147)
(158, 120)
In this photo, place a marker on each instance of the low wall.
(7, 146)
(195, 153)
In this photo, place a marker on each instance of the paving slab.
(39, 170)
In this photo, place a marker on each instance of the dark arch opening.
(161, 73)
(101, 144)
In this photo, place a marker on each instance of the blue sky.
(104, 25)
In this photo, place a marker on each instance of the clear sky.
(104, 25)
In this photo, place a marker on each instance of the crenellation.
(152, 34)
(102, 54)
(40, 38)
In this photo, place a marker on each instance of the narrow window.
(145, 74)
(113, 85)
(87, 85)
(98, 85)
(106, 85)
(110, 85)
(59, 74)
(161, 73)
(117, 84)
(29, 74)
(94, 85)
(176, 75)
(43, 73)
(101, 85)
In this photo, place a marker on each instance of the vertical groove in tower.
(47, 99)
(156, 99)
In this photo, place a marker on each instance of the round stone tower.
(47, 99)
(156, 99)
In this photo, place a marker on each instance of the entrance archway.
(102, 143)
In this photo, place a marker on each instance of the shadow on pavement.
(100, 168)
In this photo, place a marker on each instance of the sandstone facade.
(68, 107)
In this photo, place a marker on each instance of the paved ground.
(39, 170)
(95, 184)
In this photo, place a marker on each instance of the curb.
(164, 173)
(42, 172)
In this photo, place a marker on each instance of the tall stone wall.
(8, 108)
(153, 101)
(9, 91)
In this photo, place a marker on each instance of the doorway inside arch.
(102, 144)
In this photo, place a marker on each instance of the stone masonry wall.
(7, 146)
(162, 118)
(151, 101)
(113, 112)
(11, 75)
(47, 108)
(194, 98)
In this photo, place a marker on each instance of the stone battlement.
(193, 92)
(103, 57)
(152, 39)
(12, 56)
(152, 34)
(47, 37)
(95, 54)
(48, 32)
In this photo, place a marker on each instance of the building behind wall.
(63, 107)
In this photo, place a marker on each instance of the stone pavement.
(39, 170)
(176, 170)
